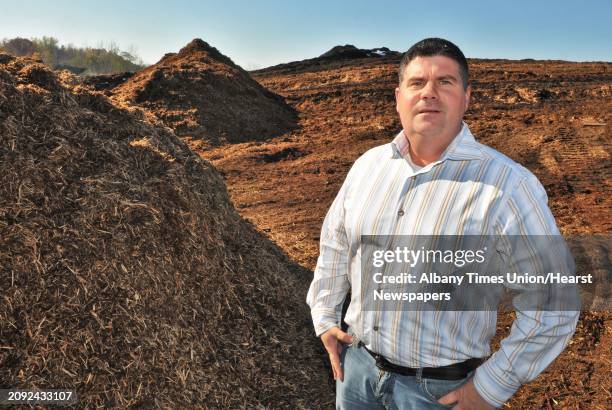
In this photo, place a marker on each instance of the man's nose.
(429, 90)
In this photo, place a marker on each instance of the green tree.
(104, 59)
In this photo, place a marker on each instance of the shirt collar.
(463, 147)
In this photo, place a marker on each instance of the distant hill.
(81, 61)
(337, 56)
(350, 51)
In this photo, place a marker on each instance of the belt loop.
(356, 341)
(419, 374)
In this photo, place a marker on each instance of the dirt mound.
(346, 51)
(106, 82)
(127, 274)
(339, 57)
(350, 51)
(203, 95)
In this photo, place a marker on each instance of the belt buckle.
(381, 362)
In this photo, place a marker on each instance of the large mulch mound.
(202, 95)
(126, 273)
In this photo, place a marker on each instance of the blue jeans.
(365, 386)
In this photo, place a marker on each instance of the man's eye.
(416, 83)
(445, 82)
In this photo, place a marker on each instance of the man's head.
(433, 93)
(436, 47)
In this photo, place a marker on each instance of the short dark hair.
(430, 47)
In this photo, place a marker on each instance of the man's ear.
(468, 95)
(397, 95)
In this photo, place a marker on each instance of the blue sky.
(264, 33)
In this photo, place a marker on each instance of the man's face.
(431, 99)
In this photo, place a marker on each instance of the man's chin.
(427, 128)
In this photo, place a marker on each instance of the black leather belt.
(455, 371)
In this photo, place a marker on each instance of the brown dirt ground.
(551, 116)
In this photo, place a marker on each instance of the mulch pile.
(126, 273)
(349, 51)
(202, 95)
(105, 82)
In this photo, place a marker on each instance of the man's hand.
(465, 398)
(333, 340)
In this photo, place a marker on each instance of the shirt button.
(400, 212)
(376, 328)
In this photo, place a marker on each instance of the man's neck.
(424, 150)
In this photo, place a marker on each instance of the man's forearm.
(535, 340)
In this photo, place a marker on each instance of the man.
(432, 179)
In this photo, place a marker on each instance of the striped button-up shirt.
(471, 190)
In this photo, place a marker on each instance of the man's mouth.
(428, 111)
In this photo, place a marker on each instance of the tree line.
(79, 60)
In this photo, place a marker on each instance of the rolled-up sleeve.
(330, 283)
(537, 337)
